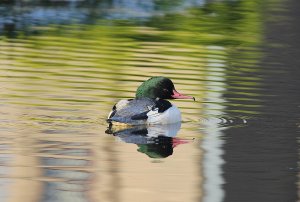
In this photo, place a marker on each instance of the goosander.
(149, 106)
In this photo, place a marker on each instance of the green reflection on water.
(93, 63)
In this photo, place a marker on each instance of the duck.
(150, 105)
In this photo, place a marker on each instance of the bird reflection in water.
(156, 141)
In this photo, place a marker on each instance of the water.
(63, 65)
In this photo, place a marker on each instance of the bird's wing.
(129, 111)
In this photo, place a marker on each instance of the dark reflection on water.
(63, 64)
(263, 157)
(156, 141)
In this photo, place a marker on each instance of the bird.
(149, 107)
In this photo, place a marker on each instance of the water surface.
(63, 65)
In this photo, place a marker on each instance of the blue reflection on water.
(22, 15)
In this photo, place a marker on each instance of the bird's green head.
(159, 87)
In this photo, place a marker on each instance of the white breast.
(171, 115)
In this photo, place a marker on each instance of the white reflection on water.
(212, 144)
